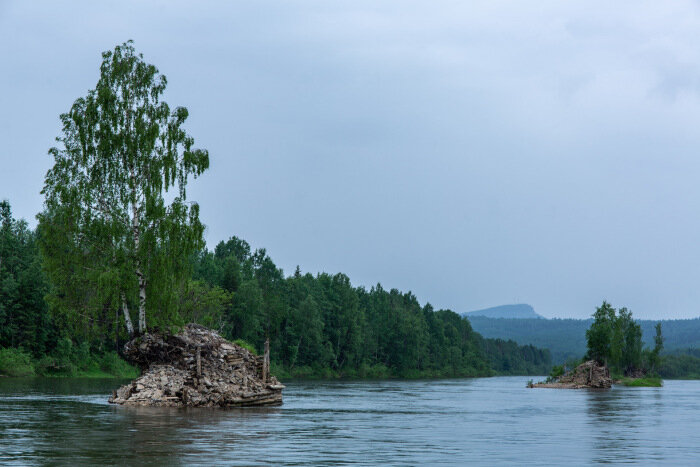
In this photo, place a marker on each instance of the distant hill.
(566, 338)
(518, 311)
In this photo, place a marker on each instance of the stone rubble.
(588, 375)
(229, 375)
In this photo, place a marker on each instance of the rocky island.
(588, 375)
(197, 368)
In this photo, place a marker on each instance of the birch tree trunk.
(139, 272)
(127, 317)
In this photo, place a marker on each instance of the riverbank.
(66, 362)
(373, 372)
(77, 363)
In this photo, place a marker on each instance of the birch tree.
(106, 223)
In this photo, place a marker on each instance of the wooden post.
(199, 361)
(266, 362)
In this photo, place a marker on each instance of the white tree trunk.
(127, 317)
(142, 302)
(139, 273)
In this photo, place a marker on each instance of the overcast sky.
(475, 153)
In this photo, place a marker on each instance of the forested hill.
(519, 311)
(322, 323)
(318, 325)
(566, 338)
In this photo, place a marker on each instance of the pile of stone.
(197, 368)
(588, 375)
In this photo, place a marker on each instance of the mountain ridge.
(512, 311)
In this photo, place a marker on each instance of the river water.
(480, 421)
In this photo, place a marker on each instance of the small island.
(615, 355)
(197, 368)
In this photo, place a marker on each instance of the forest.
(318, 325)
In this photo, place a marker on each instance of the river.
(479, 421)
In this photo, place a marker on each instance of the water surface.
(477, 421)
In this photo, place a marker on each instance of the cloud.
(476, 153)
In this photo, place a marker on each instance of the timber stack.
(197, 368)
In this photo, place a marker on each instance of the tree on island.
(108, 236)
(615, 340)
(654, 355)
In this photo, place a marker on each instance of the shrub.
(557, 371)
(651, 382)
(246, 345)
(15, 362)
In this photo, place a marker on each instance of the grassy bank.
(68, 361)
(649, 382)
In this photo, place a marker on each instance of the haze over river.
(460, 421)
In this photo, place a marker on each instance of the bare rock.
(228, 375)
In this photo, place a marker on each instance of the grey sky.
(476, 153)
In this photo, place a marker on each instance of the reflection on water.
(478, 421)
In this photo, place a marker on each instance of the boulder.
(196, 368)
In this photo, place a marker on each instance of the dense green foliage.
(109, 238)
(318, 326)
(509, 358)
(566, 338)
(615, 340)
(32, 341)
(681, 364)
(24, 316)
(15, 362)
(322, 325)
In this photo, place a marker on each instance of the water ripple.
(443, 422)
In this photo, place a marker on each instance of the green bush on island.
(615, 340)
(649, 382)
(557, 371)
(246, 345)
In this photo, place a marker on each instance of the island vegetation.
(566, 340)
(119, 243)
(615, 354)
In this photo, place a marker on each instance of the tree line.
(318, 325)
(320, 322)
